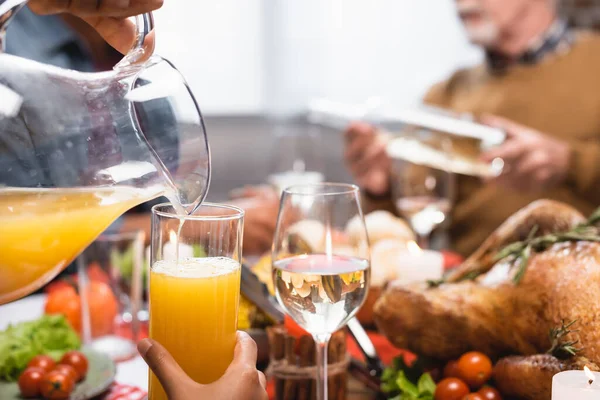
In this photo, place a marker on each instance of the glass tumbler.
(195, 288)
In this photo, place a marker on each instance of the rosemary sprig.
(563, 349)
(523, 261)
(521, 252)
(594, 218)
(469, 276)
(433, 283)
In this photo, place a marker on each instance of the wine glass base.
(117, 348)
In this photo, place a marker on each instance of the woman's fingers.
(164, 366)
(262, 379)
(245, 351)
(88, 8)
(120, 33)
(108, 17)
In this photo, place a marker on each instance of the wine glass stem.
(423, 241)
(82, 286)
(321, 342)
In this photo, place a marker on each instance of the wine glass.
(296, 156)
(321, 273)
(112, 263)
(422, 195)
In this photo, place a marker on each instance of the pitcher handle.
(144, 42)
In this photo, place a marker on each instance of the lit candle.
(290, 178)
(579, 385)
(417, 265)
(170, 249)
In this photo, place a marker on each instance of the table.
(133, 372)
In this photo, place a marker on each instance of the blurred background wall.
(258, 61)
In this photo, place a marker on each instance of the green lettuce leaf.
(407, 387)
(50, 335)
(426, 385)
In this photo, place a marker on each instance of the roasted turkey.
(482, 306)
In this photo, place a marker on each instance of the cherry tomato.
(44, 362)
(489, 393)
(473, 396)
(56, 386)
(475, 369)
(78, 361)
(67, 370)
(451, 369)
(102, 303)
(451, 389)
(30, 380)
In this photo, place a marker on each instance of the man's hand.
(241, 380)
(261, 206)
(108, 17)
(366, 158)
(533, 161)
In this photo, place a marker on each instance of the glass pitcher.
(77, 150)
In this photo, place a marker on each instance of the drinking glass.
(296, 156)
(321, 274)
(195, 288)
(111, 270)
(422, 195)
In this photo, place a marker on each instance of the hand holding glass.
(194, 298)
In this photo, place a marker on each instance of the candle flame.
(589, 374)
(173, 237)
(413, 247)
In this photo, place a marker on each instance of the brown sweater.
(559, 96)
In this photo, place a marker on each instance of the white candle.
(291, 178)
(575, 385)
(416, 265)
(170, 249)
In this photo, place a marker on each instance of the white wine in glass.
(321, 276)
(422, 195)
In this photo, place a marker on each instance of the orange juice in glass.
(194, 299)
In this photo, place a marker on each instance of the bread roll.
(385, 258)
(380, 225)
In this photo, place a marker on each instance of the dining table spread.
(131, 380)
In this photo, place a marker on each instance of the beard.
(484, 33)
(480, 28)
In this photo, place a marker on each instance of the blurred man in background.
(540, 84)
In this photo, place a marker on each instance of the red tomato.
(451, 369)
(451, 389)
(489, 393)
(102, 304)
(96, 273)
(65, 300)
(30, 380)
(475, 369)
(78, 361)
(473, 396)
(56, 386)
(67, 370)
(44, 362)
